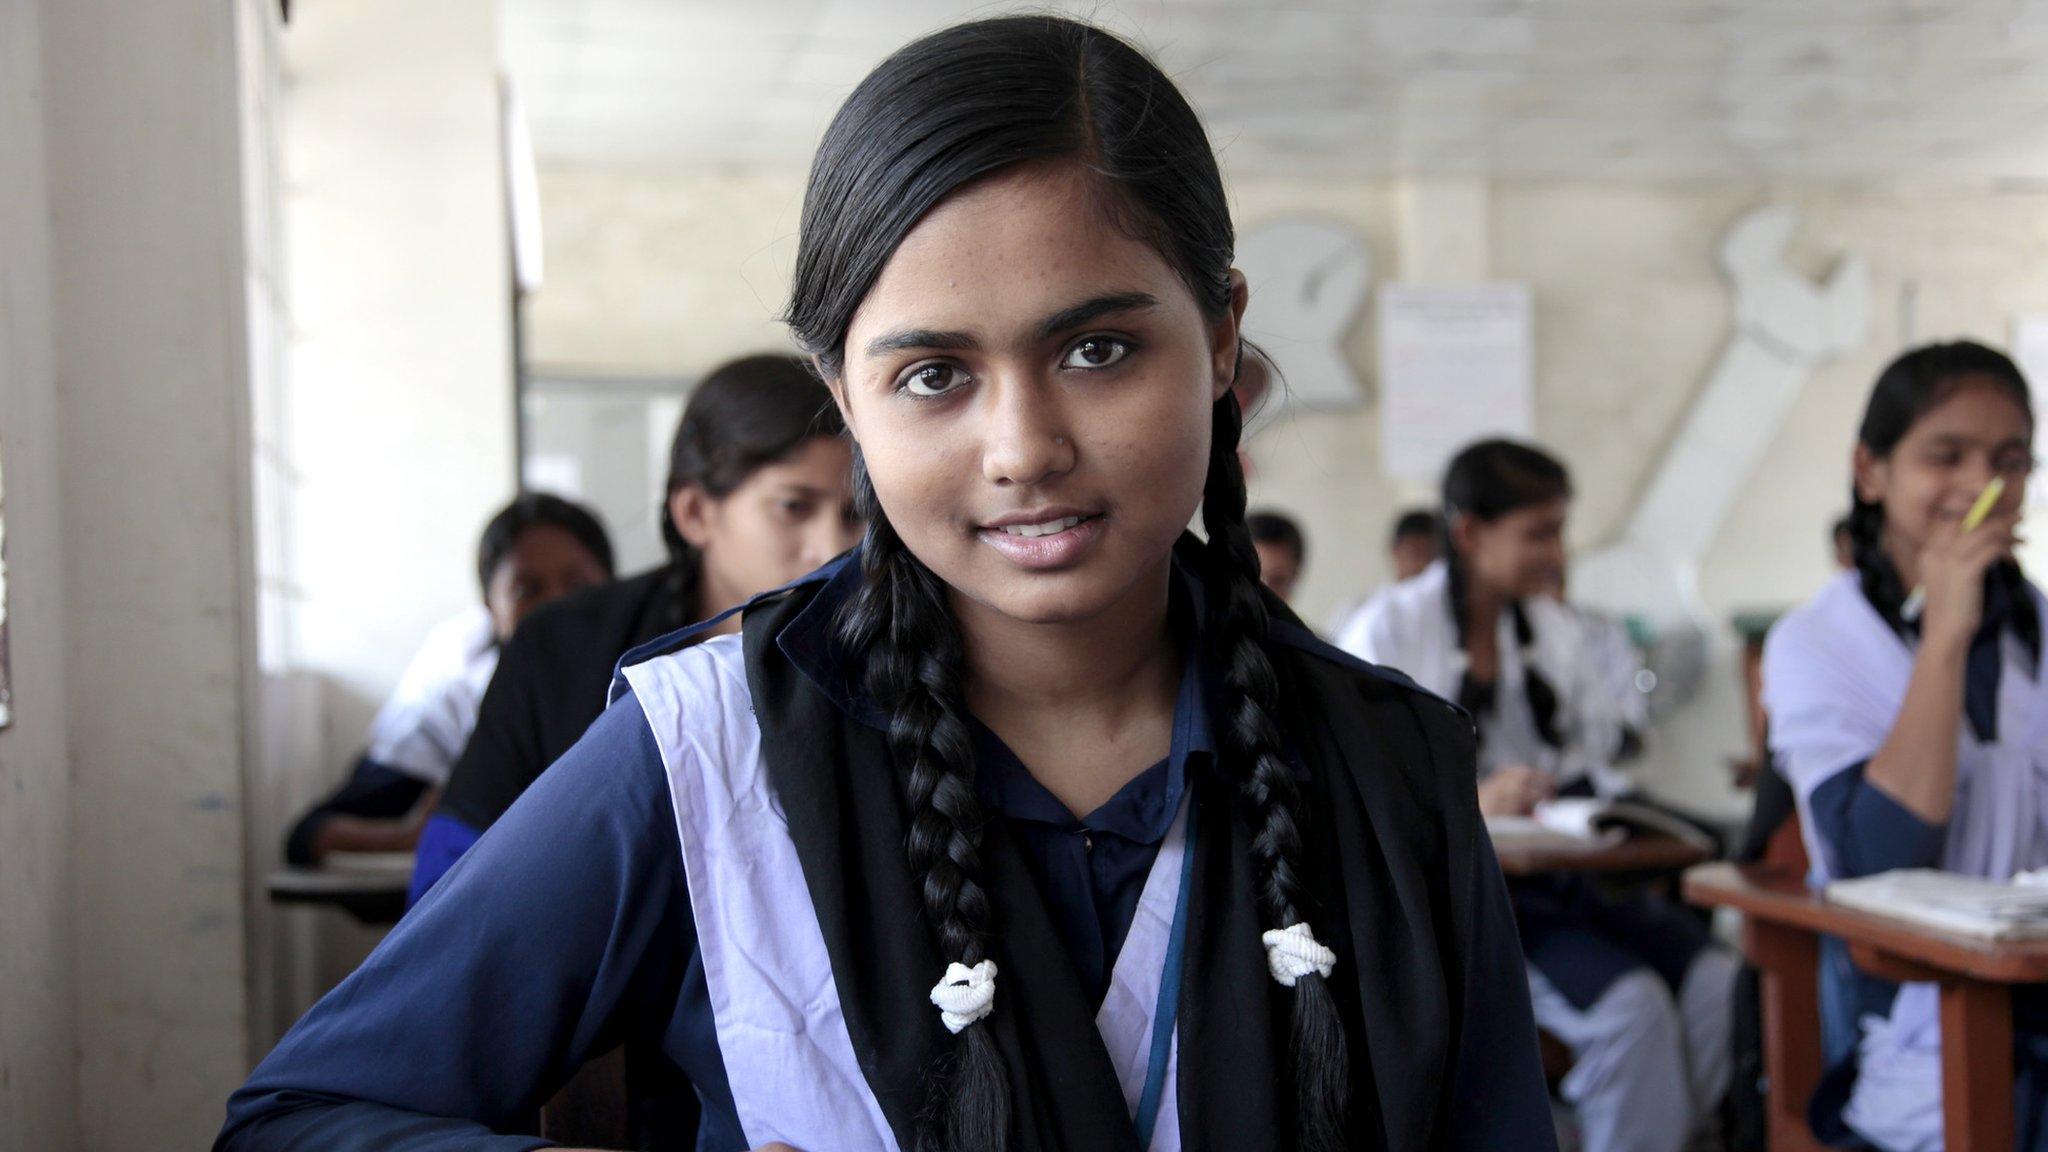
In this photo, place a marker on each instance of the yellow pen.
(1986, 501)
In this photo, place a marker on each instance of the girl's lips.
(1045, 553)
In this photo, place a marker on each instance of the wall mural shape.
(1785, 327)
(1309, 279)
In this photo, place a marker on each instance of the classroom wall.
(663, 271)
(38, 1023)
(397, 424)
(125, 341)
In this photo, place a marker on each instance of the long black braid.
(900, 622)
(1236, 631)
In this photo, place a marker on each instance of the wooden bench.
(1782, 923)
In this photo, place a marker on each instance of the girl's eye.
(1096, 352)
(928, 380)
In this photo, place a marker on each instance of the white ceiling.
(1600, 89)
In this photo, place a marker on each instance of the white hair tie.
(1292, 953)
(966, 994)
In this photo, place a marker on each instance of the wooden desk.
(1640, 853)
(370, 886)
(1781, 930)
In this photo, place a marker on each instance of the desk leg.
(1788, 960)
(1976, 1020)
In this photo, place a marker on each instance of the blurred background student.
(1632, 987)
(757, 495)
(538, 548)
(1282, 549)
(1416, 543)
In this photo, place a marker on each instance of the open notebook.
(1952, 902)
(1574, 822)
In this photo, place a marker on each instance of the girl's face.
(785, 519)
(1937, 470)
(1518, 554)
(1032, 391)
(545, 562)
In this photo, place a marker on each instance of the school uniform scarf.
(1377, 862)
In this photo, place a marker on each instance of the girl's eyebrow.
(1052, 325)
(1082, 313)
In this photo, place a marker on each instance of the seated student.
(1417, 542)
(757, 496)
(1282, 549)
(1634, 989)
(1183, 875)
(1921, 742)
(1417, 537)
(535, 549)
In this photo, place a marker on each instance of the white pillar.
(152, 352)
(38, 1027)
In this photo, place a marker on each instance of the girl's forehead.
(1977, 408)
(1022, 243)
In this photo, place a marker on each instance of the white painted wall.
(662, 272)
(135, 400)
(398, 424)
(38, 1024)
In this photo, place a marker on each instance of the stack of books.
(1952, 902)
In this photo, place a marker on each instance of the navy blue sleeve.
(1864, 831)
(442, 842)
(1498, 1095)
(566, 926)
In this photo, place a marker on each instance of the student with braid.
(1035, 824)
(1633, 988)
(1920, 739)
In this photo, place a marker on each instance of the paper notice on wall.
(1456, 365)
(2030, 351)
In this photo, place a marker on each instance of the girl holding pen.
(1919, 739)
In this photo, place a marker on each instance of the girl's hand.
(1514, 790)
(1952, 567)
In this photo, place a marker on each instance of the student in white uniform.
(1923, 742)
(1634, 989)
(535, 549)
(1034, 824)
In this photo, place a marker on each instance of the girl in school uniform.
(758, 494)
(537, 548)
(1633, 989)
(1032, 824)
(1919, 739)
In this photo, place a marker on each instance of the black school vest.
(1388, 859)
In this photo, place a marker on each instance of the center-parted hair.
(1909, 387)
(746, 414)
(937, 116)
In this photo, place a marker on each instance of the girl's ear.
(835, 384)
(691, 510)
(1872, 476)
(1464, 532)
(1225, 343)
